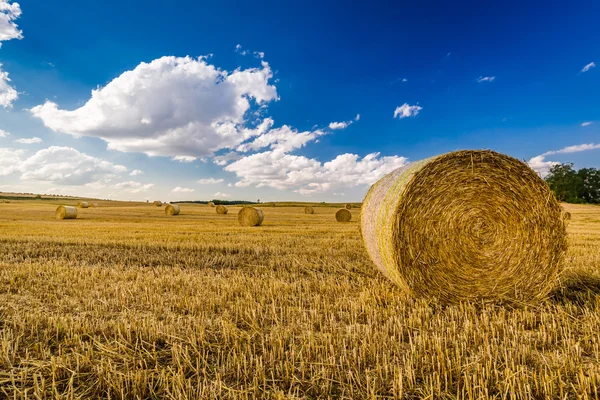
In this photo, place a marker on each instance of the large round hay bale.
(250, 216)
(83, 204)
(66, 212)
(172, 209)
(211, 204)
(158, 203)
(221, 209)
(309, 210)
(348, 206)
(467, 225)
(343, 215)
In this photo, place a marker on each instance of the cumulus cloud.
(339, 125)
(209, 181)
(220, 195)
(586, 123)
(405, 111)
(4, 133)
(9, 12)
(588, 67)
(184, 159)
(134, 187)
(226, 158)
(8, 94)
(172, 106)
(486, 79)
(32, 140)
(542, 166)
(136, 172)
(284, 138)
(10, 160)
(180, 189)
(304, 175)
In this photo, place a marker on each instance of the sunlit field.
(125, 302)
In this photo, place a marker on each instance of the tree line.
(574, 186)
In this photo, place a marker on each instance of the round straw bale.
(566, 215)
(348, 206)
(250, 216)
(66, 212)
(309, 210)
(94, 205)
(221, 209)
(158, 203)
(467, 225)
(211, 204)
(83, 204)
(172, 209)
(343, 215)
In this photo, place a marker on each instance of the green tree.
(565, 182)
(590, 188)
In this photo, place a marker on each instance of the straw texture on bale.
(172, 209)
(250, 216)
(309, 210)
(348, 206)
(83, 204)
(221, 209)
(66, 212)
(343, 215)
(158, 203)
(467, 225)
(211, 204)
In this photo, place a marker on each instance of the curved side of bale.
(172, 209)
(221, 209)
(83, 204)
(343, 215)
(348, 206)
(468, 225)
(66, 212)
(210, 204)
(250, 216)
(158, 203)
(94, 205)
(309, 210)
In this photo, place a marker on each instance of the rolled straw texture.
(250, 216)
(83, 204)
(172, 209)
(343, 215)
(158, 203)
(66, 212)
(309, 210)
(221, 209)
(467, 225)
(348, 206)
(211, 204)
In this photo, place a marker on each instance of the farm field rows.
(125, 302)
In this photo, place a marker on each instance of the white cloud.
(136, 172)
(220, 195)
(10, 160)
(586, 123)
(209, 181)
(184, 159)
(284, 138)
(405, 111)
(180, 189)
(541, 166)
(8, 94)
(32, 140)
(588, 67)
(486, 79)
(134, 187)
(574, 149)
(226, 158)
(304, 175)
(357, 118)
(171, 107)
(9, 12)
(339, 125)
(4, 133)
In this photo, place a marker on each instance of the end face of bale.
(466, 226)
(309, 210)
(172, 209)
(221, 209)
(83, 204)
(250, 216)
(343, 215)
(348, 206)
(211, 204)
(158, 203)
(66, 212)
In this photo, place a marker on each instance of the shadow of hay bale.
(577, 289)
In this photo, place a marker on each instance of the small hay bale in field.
(172, 209)
(211, 204)
(158, 203)
(348, 206)
(250, 216)
(467, 225)
(309, 210)
(567, 216)
(343, 215)
(94, 205)
(66, 212)
(221, 209)
(83, 204)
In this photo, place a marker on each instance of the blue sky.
(309, 101)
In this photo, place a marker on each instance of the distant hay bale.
(221, 209)
(343, 215)
(250, 216)
(272, 204)
(348, 206)
(566, 216)
(66, 212)
(158, 203)
(94, 205)
(309, 210)
(83, 204)
(172, 209)
(211, 204)
(467, 225)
